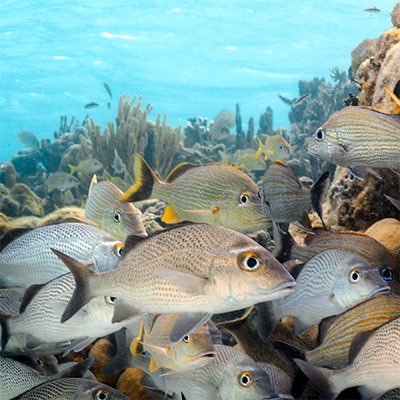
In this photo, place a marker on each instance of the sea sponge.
(8, 174)
(30, 204)
(129, 383)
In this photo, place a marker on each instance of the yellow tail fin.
(260, 148)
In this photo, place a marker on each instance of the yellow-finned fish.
(275, 148)
(245, 160)
(217, 194)
(86, 167)
(116, 218)
(359, 137)
(194, 350)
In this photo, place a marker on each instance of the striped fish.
(358, 243)
(337, 333)
(286, 200)
(359, 137)
(194, 350)
(116, 218)
(217, 194)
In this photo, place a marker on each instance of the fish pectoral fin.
(303, 227)
(170, 216)
(78, 345)
(123, 311)
(156, 349)
(341, 147)
(153, 367)
(361, 172)
(185, 323)
(182, 280)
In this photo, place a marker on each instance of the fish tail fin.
(136, 346)
(265, 320)
(145, 179)
(72, 169)
(260, 148)
(83, 292)
(93, 183)
(284, 243)
(318, 192)
(321, 377)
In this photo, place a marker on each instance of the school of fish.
(321, 318)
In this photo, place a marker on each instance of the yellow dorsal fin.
(260, 148)
(170, 216)
(152, 365)
(136, 345)
(179, 170)
(394, 98)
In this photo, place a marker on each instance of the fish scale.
(357, 136)
(28, 259)
(334, 349)
(72, 389)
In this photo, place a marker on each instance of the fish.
(275, 148)
(29, 139)
(373, 365)
(372, 10)
(108, 89)
(61, 181)
(243, 159)
(118, 165)
(395, 202)
(220, 126)
(86, 167)
(194, 350)
(394, 99)
(216, 193)
(23, 374)
(109, 105)
(72, 389)
(355, 242)
(301, 99)
(330, 283)
(90, 105)
(196, 269)
(286, 200)
(111, 215)
(232, 374)
(357, 138)
(336, 333)
(43, 306)
(28, 260)
(10, 301)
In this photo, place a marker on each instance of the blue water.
(187, 58)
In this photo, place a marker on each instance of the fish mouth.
(207, 354)
(282, 290)
(381, 290)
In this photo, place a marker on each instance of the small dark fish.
(107, 87)
(109, 105)
(286, 100)
(372, 10)
(28, 139)
(90, 105)
(300, 99)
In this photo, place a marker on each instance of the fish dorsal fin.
(92, 184)
(29, 294)
(12, 235)
(78, 370)
(179, 170)
(324, 326)
(153, 367)
(357, 344)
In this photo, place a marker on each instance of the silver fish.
(108, 89)
(73, 389)
(28, 259)
(116, 218)
(61, 181)
(330, 283)
(90, 105)
(195, 268)
(17, 377)
(301, 99)
(28, 139)
(118, 165)
(232, 374)
(374, 365)
(43, 306)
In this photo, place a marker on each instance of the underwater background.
(187, 58)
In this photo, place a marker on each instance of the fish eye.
(320, 134)
(259, 194)
(110, 299)
(281, 147)
(185, 339)
(117, 217)
(244, 198)
(250, 262)
(40, 362)
(354, 276)
(387, 274)
(102, 394)
(245, 379)
(119, 249)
